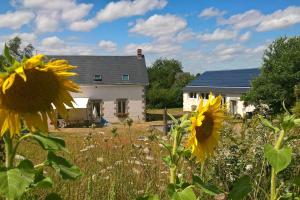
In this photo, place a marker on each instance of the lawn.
(123, 168)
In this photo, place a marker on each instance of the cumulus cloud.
(153, 48)
(218, 35)
(27, 38)
(159, 26)
(211, 12)
(280, 19)
(244, 37)
(249, 18)
(117, 10)
(50, 15)
(53, 42)
(108, 45)
(15, 20)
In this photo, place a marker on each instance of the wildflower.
(29, 89)
(205, 126)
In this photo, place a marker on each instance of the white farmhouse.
(231, 84)
(113, 88)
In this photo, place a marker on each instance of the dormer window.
(97, 77)
(125, 77)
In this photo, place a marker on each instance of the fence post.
(165, 121)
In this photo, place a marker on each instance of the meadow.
(127, 165)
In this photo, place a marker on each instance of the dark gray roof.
(227, 81)
(111, 68)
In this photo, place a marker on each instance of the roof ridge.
(228, 70)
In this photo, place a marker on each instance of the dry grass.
(172, 111)
(113, 167)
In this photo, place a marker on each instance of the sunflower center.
(204, 131)
(34, 95)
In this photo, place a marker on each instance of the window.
(98, 77)
(125, 77)
(121, 106)
(204, 95)
(193, 95)
(96, 106)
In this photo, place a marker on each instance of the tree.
(15, 48)
(280, 73)
(166, 79)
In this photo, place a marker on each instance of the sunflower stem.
(173, 158)
(9, 160)
(278, 144)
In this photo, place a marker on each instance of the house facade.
(112, 88)
(230, 84)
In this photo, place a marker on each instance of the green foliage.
(186, 194)
(166, 82)
(206, 187)
(278, 159)
(14, 182)
(296, 109)
(241, 188)
(280, 73)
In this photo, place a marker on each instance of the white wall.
(241, 109)
(108, 94)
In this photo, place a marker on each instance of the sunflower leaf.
(206, 187)
(63, 167)
(268, 124)
(186, 194)
(241, 188)
(7, 55)
(14, 182)
(49, 142)
(278, 159)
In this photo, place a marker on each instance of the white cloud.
(249, 18)
(51, 15)
(280, 19)
(211, 12)
(108, 45)
(27, 38)
(226, 52)
(83, 25)
(159, 26)
(117, 10)
(185, 35)
(246, 36)
(15, 20)
(53, 42)
(153, 48)
(47, 22)
(218, 35)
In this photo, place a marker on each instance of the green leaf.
(278, 159)
(53, 196)
(268, 124)
(63, 167)
(41, 181)
(49, 142)
(241, 188)
(7, 55)
(167, 160)
(149, 197)
(186, 194)
(206, 187)
(14, 182)
(297, 122)
(297, 180)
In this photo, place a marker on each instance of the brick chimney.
(139, 54)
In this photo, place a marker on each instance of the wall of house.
(188, 103)
(135, 94)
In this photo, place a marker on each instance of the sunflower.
(28, 91)
(205, 126)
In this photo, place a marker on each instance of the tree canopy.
(166, 79)
(280, 73)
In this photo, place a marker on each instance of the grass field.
(122, 168)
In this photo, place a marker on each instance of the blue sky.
(203, 35)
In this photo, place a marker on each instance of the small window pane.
(98, 77)
(125, 77)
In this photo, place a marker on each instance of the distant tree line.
(167, 80)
